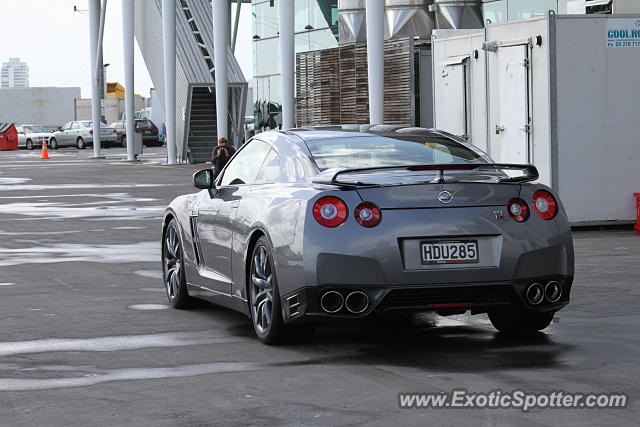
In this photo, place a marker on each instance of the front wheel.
(175, 282)
(29, 144)
(266, 314)
(53, 144)
(523, 323)
(81, 144)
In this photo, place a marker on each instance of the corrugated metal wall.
(332, 86)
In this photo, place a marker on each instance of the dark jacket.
(220, 158)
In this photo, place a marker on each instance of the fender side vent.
(196, 240)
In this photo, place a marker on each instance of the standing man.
(221, 155)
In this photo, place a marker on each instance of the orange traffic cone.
(45, 152)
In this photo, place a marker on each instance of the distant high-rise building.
(15, 73)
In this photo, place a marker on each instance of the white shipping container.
(561, 92)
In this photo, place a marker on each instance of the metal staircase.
(196, 130)
(203, 130)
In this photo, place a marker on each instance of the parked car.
(32, 136)
(80, 134)
(312, 224)
(149, 130)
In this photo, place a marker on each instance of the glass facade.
(316, 27)
(511, 10)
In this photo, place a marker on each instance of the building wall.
(15, 74)
(48, 106)
(626, 6)
(444, 52)
(598, 119)
(114, 108)
(540, 147)
(316, 28)
(332, 86)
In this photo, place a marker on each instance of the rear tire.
(81, 144)
(53, 144)
(29, 144)
(523, 323)
(264, 298)
(123, 140)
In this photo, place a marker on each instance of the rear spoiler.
(330, 176)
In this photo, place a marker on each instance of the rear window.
(90, 124)
(144, 124)
(379, 151)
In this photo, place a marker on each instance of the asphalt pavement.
(87, 337)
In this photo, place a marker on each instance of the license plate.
(449, 252)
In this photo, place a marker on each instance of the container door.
(455, 99)
(512, 130)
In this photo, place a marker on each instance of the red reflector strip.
(453, 305)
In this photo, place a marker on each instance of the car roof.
(312, 133)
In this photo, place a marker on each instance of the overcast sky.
(54, 42)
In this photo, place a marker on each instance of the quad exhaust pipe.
(356, 302)
(332, 301)
(536, 293)
(553, 291)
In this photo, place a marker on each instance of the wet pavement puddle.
(68, 211)
(12, 181)
(152, 274)
(91, 375)
(148, 307)
(127, 374)
(34, 187)
(105, 254)
(113, 343)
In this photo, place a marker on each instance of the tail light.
(518, 210)
(368, 215)
(545, 204)
(330, 211)
(114, 132)
(91, 132)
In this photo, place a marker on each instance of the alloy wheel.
(172, 262)
(261, 290)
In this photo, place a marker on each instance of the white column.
(169, 38)
(96, 69)
(221, 36)
(287, 61)
(375, 60)
(128, 11)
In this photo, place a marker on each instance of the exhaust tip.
(535, 294)
(553, 291)
(331, 301)
(357, 302)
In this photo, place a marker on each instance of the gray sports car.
(316, 223)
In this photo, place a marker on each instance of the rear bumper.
(477, 298)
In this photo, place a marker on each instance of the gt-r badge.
(445, 197)
(499, 215)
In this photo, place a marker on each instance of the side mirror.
(203, 179)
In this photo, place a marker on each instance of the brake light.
(367, 214)
(518, 210)
(330, 211)
(91, 132)
(114, 132)
(544, 204)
